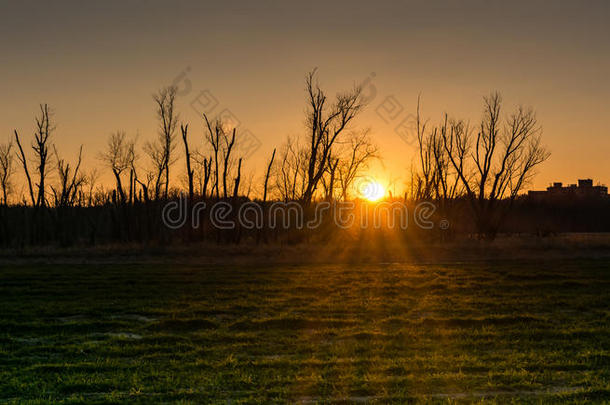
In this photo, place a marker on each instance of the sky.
(98, 64)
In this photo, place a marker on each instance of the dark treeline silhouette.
(472, 174)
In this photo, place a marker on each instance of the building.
(584, 190)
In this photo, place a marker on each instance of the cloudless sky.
(97, 65)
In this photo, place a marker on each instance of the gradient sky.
(97, 65)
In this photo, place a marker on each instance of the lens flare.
(372, 191)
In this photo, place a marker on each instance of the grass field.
(522, 331)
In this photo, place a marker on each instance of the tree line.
(483, 166)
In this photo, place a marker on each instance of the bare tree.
(161, 150)
(355, 157)
(435, 178)
(146, 181)
(446, 182)
(496, 163)
(222, 147)
(119, 156)
(424, 178)
(325, 124)
(328, 182)
(24, 163)
(237, 179)
(202, 172)
(291, 172)
(40, 145)
(189, 170)
(228, 146)
(263, 232)
(156, 155)
(91, 179)
(70, 181)
(248, 184)
(146, 184)
(267, 176)
(6, 170)
(213, 139)
(207, 171)
(44, 129)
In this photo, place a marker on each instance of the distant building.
(585, 190)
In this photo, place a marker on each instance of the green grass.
(508, 331)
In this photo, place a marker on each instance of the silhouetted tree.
(70, 181)
(497, 162)
(24, 163)
(6, 170)
(187, 155)
(355, 158)
(119, 156)
(40, 145)
(44, 129)
(161, 150)
(269, 165)
(91, 179)
(329, 182)
(207, 171)
(424, 177)
(435, 178)
(325, 124)
(213, 139)
(228, 147)
(237, 179)
(291, 172)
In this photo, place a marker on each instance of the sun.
(373, 191)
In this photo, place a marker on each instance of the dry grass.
(375, 248)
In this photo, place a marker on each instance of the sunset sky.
(97, 65)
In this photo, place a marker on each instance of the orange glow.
(373, 191)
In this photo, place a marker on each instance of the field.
(511, 330)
